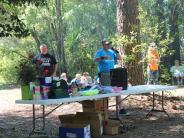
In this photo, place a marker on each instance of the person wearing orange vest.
(153, 64)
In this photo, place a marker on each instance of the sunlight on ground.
(176, 128)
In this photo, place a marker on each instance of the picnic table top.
(132, 90)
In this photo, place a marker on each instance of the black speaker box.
(119, 77)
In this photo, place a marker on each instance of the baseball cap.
(105, 41)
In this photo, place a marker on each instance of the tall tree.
(59, 35)
(173, 9)
(128, 24)
(161, 18)
(174, 32)
(160, 7)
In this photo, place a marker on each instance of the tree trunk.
(127, 22)
(168, 60)
(173, 47)
(34, 35)
(161, 19)
(174, 33)
(59, 37)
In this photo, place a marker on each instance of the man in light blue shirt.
(105, 58)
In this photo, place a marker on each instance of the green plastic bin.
(26, 93)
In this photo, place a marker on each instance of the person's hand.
(39, 62)
(105, 57)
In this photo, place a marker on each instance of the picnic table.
(132, 90)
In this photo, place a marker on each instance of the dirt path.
(16, 120)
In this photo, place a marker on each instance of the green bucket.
(26, 93)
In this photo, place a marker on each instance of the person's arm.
(119, 56)
(99, 57)
(148, 66)
(158, 59)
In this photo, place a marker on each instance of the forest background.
(73, 30)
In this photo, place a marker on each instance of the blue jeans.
(152, 76)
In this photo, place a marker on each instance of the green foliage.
(85, 24)
(7, 68)
(26, 71)
(82, 61)
(150, 31)
(22, 2)
(156, 24)
(165, 76)
(124, 42)
(10, 24)
(11, 52)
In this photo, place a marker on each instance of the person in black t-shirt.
(45, 62)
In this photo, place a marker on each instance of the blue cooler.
(74, 131)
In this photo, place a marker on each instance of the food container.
(45, 90)
(37, 94)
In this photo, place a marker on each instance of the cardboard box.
(94, 119)
(95, 105)
(111, 127)
(74, 131)
(69, 118)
